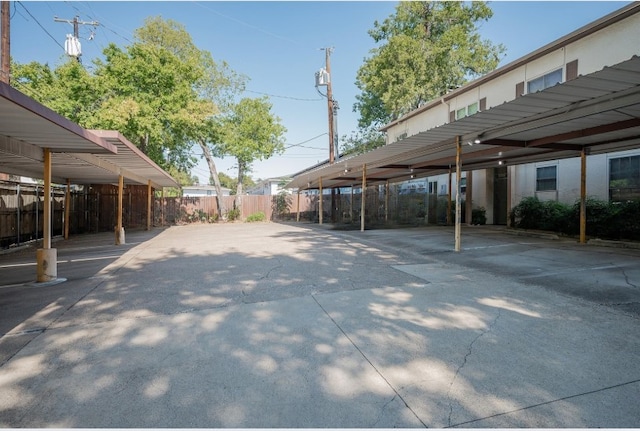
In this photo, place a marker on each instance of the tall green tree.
(424, 50)
(361, 141)
(251, 132)
(161, 92)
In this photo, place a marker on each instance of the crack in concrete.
(464, 362)
(595, 391)
(381, 415)
(397, 394)
(626, 278)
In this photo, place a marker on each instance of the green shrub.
(233, 214)
(605, 220)
(527, 213)
(479, 215)
(259, 216)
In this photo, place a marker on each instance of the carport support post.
(298, 207)
(320, 201)
(47, 257)
(364, 197)
(458, 194)
(386, 202)
(351, 206)
(468, 206)
(583, 196)
(149, 192)
(67, 209)
(509, 196)
(119, 229)
(449, 197)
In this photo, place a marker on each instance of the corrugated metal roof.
(599, 112)
(84, 157)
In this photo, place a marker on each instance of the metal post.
(364, 197)
(149, 200)
(458, 194)
(119, 235)
(469, 198)
(508, 196)
(583, 196)
(298, 207)
(351, 206)
(386, 202)
(67, 208)
(19, 221)
(449, 198)
(320, 202)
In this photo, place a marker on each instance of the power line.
(304, 142)
(285, 97)
(250, 25)
(41, 26)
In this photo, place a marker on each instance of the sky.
(279, 46)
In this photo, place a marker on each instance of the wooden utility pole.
(76, 26)
(5, 51)
(330, 104)
(331, 112)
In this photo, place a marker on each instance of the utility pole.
(323, 77)
(72, 44)
(330, 105)
(5, 51)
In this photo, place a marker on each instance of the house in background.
(271, 186)
(614, 176)
(198, 190)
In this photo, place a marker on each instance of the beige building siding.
(610, 45)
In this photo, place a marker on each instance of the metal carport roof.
(599, 112)
(77, 154)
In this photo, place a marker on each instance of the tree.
(252, 133)
(161, 92)
(361, 141)
(68, 89)
(232, 183)
(426, 49)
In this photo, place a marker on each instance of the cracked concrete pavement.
(294, 325)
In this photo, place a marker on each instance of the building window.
(208, 192)
(546, 179)
(624, 178)
(546, 81)
(463, 185)
(467, 111)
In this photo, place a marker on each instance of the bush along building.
(558, 128)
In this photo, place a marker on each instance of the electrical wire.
(304, 142)
(41, 26)
(250, 25)
(284, 97)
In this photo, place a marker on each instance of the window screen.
(624, 178)
(546, 178)
(546, 81)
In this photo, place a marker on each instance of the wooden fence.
(94, 209)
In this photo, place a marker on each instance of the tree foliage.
(251, 132)
(160, 92)
(425, 49)
(361, 141)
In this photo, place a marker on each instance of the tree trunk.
(238, 199)
(216, 180)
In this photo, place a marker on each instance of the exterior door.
(500, 195)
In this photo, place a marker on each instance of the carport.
(37, 142)
(591, 114)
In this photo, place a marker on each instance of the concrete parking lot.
(296, 325)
